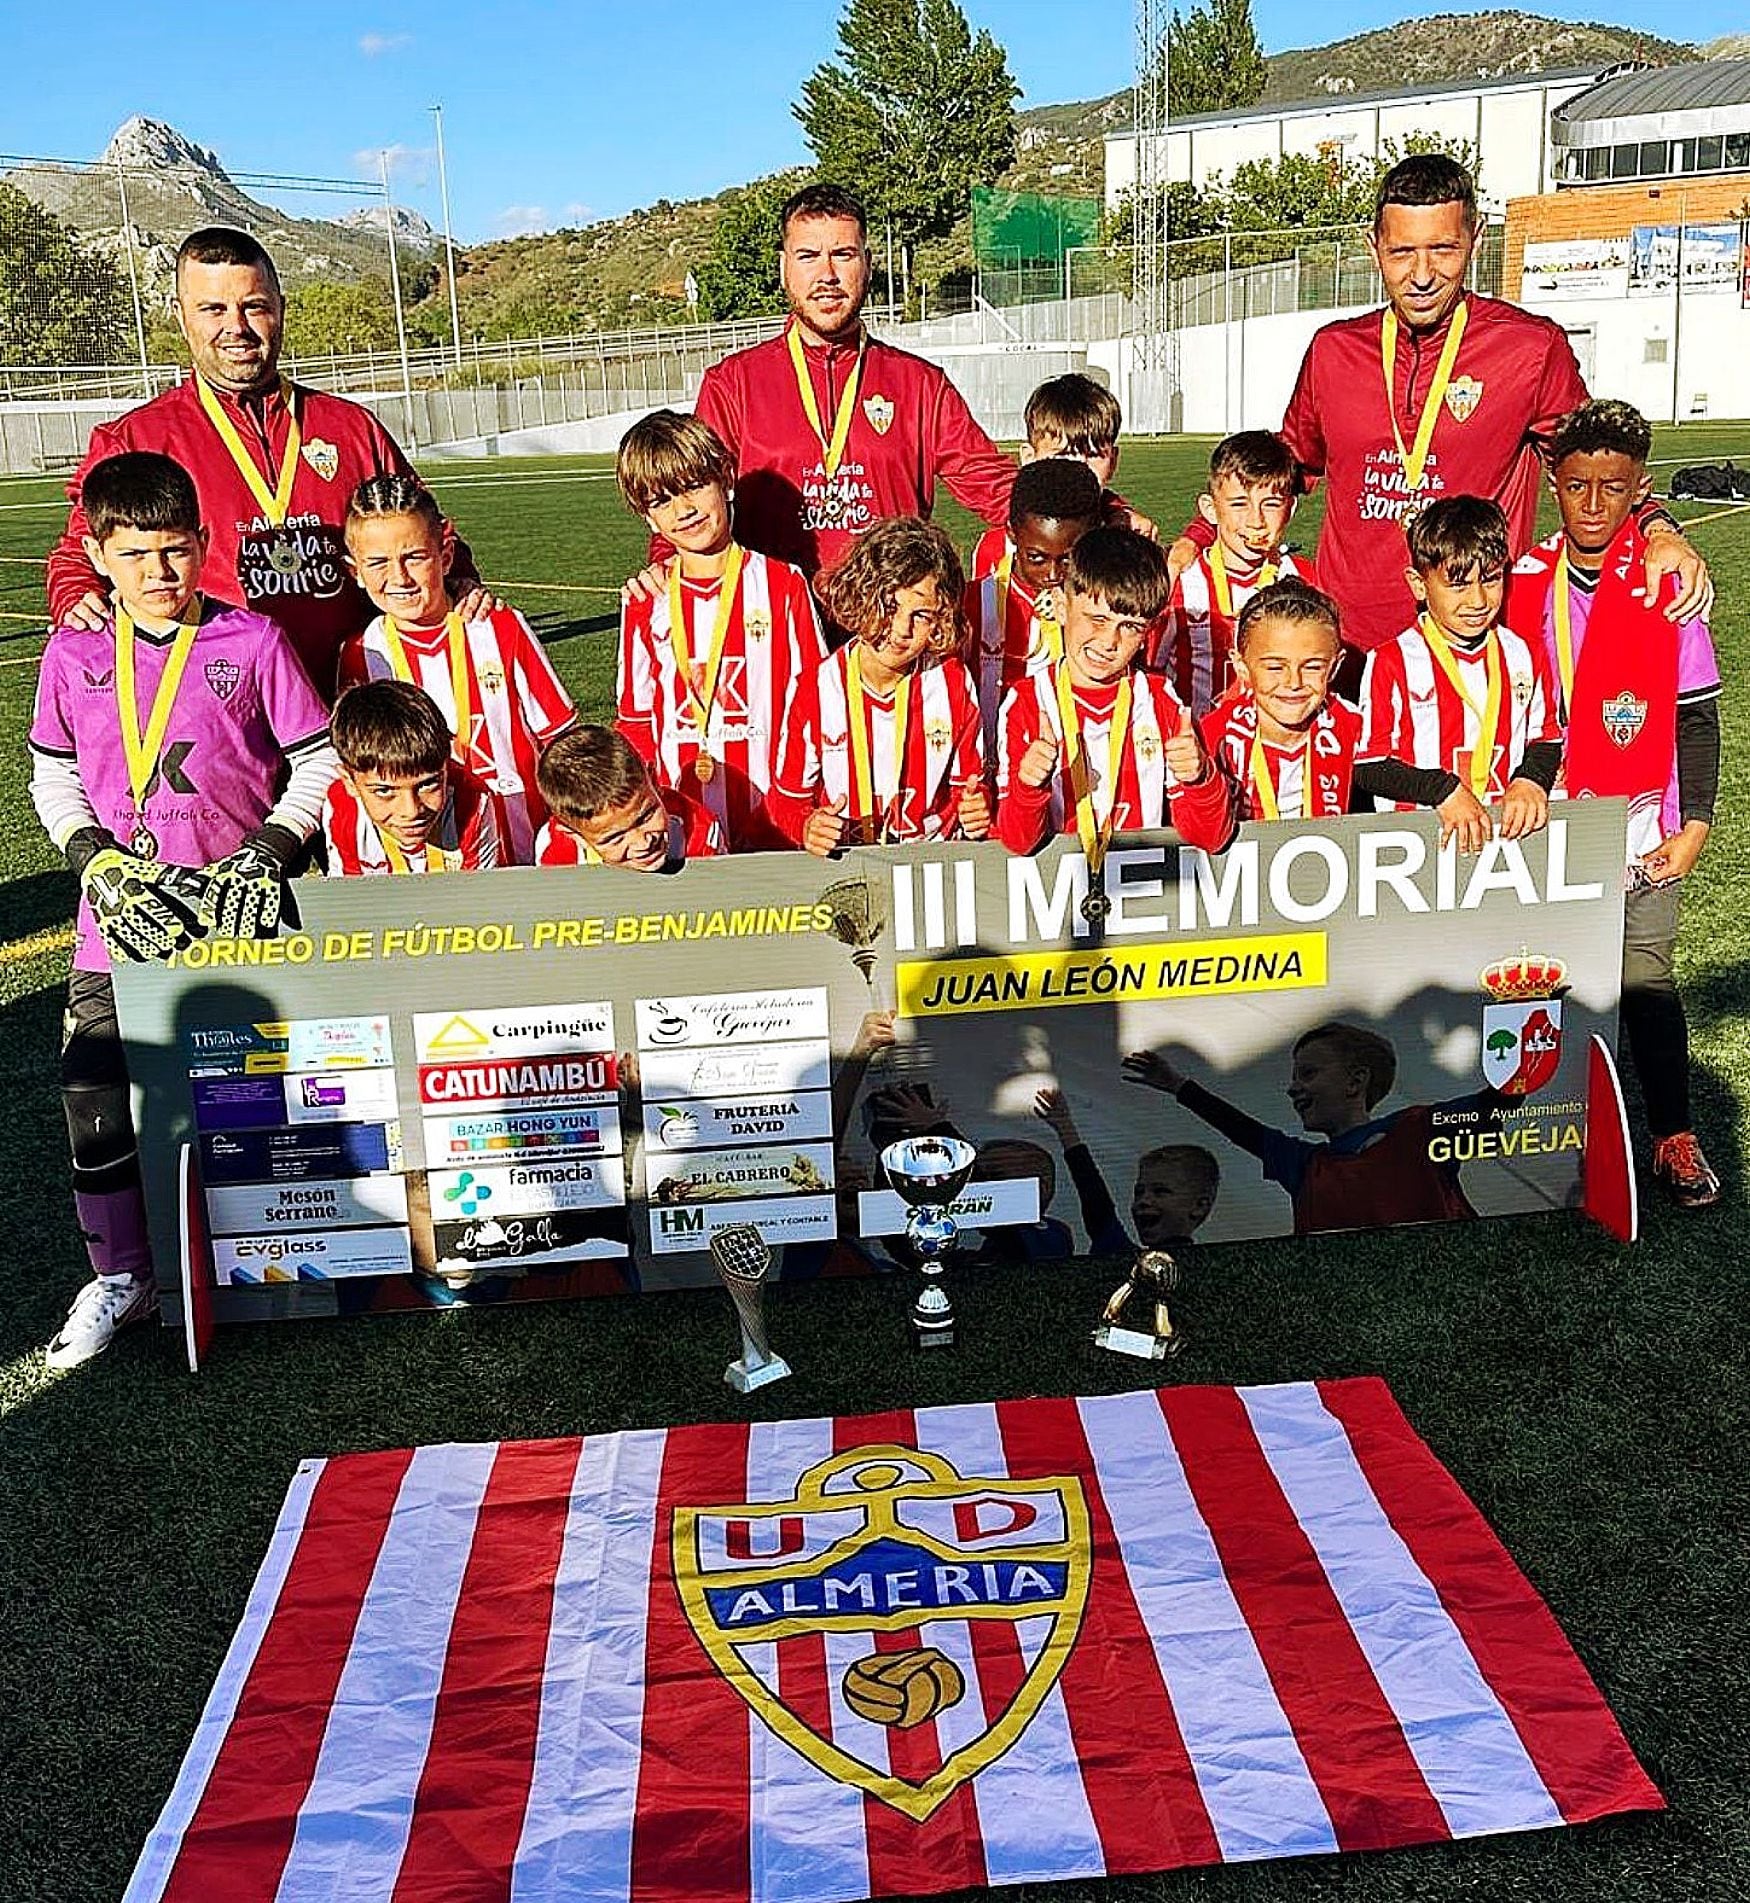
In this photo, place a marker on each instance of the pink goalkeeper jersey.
(244, 706)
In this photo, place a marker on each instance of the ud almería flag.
(910, 1652)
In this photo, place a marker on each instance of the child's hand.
(1675, 858)
(630, 1081)
(974, 810)
(1524, 810)
(1184, 753)
(1153, 1071)
(1039, 763)
(913, 1109)
(646, 585)
(1052, 1107)
(823, 832)
(875, 1033)
(477, 602)
(1180, 557)
(1139, 524)
(1463, 819)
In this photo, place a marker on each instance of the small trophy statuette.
(1153, 1277)
(928, 1174)
(742, 1258)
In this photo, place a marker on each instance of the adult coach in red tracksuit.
(832, 430)
(274, 463)
(1442, 392)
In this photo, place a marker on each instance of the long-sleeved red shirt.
(911, 429)
(319, 605)
(1515, 377)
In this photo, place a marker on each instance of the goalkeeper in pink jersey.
(179, 755)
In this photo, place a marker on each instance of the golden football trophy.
(1153, 1277)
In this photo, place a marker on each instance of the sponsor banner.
(310, 1153)
(984, 1206)
(498, 1136)
(680, 1229)
(759, 1071)
(1575, 269)
(340, 1096)
(515, 1245)
(238, 1103)
(732, 1017)
(533, 1030)
(271, 1050)
(573, 1077)
(709, 1176)
(362, 1202)
(797, 1116)
(327, 1257)
(527, 1189)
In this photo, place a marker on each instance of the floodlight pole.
(437, 113)
(1152, 342)
(410, 432)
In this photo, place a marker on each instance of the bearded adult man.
(1442, 392)
(274, 463)
(831, 429)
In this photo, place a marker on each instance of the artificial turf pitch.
(1592, 1400)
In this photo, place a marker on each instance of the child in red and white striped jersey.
(1457, 711)
(402, 802)
(1253, 482)
(1075, 419)
(1284, 736)
(489, 678)
(1016, 614)
(1092, 744)
(882, 740)
(606, 810)
(708, 664)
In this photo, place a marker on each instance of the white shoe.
(101, 1310)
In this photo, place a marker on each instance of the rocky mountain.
(173, 186)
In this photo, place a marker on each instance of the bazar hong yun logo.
(1522, 1023)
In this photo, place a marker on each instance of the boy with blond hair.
(709, 662)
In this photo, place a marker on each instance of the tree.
(919, 111)
(1416, 143)
(740, 277)
(1214, 59)
(59, 303)
(328, 317)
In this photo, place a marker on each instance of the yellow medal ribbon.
(1265, 788)
(1415, 459)
(702, 693)
(1224, 594)
(1489, 714)
(141, 750)
(1096, 836)
(436, 859)
(1050, 633)
(831, 453)
(861, 766)
(274, 503)
(1564, 607)
(456, 645)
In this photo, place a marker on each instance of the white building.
(1507, 121)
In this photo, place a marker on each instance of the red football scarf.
(1620, 695)
(1230, 731)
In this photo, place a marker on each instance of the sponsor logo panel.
(527, 1189)
(709, 1176)
(340, 1096)
(570, 1077)
(732, 1017)
(319, 1258)
(309, 1153)
(518, 1244)
(759, 1071)
(493, 1031)
(682, 1229)
(271, 1050)
(355, 1203)
(984, 1206)
(498, 1136)
(799, 1116)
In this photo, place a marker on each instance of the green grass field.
(1591, 1399)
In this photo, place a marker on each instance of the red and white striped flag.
(799, 1661)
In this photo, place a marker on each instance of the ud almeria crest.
(896, 1623)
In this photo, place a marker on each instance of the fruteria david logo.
(1522, 1023)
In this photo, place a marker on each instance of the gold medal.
(705, 767)
(144, 844)
(284, 556)
(1095, 833)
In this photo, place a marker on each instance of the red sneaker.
(1683, 1172)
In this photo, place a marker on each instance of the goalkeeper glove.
(241, 895)
(139, 915)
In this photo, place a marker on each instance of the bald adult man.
(831, 429)
(1442, 392)
(274, 463)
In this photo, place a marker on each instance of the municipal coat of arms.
(879, 410)
(1463, 394)
(1522, 1023)
(884, 1577)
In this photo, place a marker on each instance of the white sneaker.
(101, 1310)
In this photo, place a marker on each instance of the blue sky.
(555, 114)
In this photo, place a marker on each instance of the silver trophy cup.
(928, 1174)
(743, 1259)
